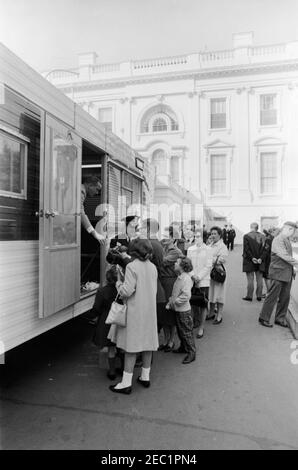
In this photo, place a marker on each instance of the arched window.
(159, 161)
(159, 125)
(159, 118)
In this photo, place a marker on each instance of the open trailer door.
(59, 273)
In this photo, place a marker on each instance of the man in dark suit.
(225, 234)
(231, 237)
(253, 261)
(282, 269)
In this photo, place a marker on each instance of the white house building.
(218, 128)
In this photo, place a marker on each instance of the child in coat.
(179, 302)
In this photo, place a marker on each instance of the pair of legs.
(112, 356)
(267, 283)
(279, 293)
(185, 332)
(169, 335)
(219, 307)
(199, 315)
(250, 284)
(129, 364)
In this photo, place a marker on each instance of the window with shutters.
(268, 109)
(218, 175)
(218, 113)
(105, 116)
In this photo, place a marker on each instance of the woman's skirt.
(217, 292)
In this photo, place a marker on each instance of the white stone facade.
(219, 127)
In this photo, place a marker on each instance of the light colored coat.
(139, 288)
(217, 291)
(201, 258)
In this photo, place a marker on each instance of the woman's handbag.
(218, 272)
(117, 314)
(198, 297)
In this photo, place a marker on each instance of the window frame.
(220, 96)
(216, 155)
(22, 140)
(277, 93)
(278, 172)
(105, 124)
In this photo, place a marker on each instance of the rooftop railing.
(198, 61)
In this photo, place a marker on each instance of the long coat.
(139, 288)
(157, 260)
(217, 291)
(253, 247)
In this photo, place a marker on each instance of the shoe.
(124, 391)
(280, 323)
(179, 351)
(145, 383)
(199, 336)
(265, 323)
(247, 298)
(169, 348)
(111, 376)
(217, 322)
(162, 347)
(189, 358)
(210, 318)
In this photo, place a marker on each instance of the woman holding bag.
(217, 289)
(140, 333)
(201, 257)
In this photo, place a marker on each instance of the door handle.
(50, 214)
(39, 213)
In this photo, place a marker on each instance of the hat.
(291, 224)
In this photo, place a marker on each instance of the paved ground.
(241, 393)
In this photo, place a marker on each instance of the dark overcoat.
(253, 247)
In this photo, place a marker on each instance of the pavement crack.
(263, 442)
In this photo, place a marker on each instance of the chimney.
(86, 61)
(87, 58)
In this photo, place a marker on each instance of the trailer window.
(13, 166)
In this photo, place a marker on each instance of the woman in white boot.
(140, 333)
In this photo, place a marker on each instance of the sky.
(48, 34)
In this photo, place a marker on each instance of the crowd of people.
(169, 290)
(175, 284)
(268, 256)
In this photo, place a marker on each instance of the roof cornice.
(222, 72)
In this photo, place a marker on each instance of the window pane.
(159, 125)
(12, 164)
(268, 173)
(268, 110)
(64, 176)
(218, 113)
(64, 230)
(105, 117)
(218, 174)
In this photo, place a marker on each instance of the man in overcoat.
(282, 269)
(253, 261)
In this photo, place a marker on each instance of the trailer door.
(60, 215)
